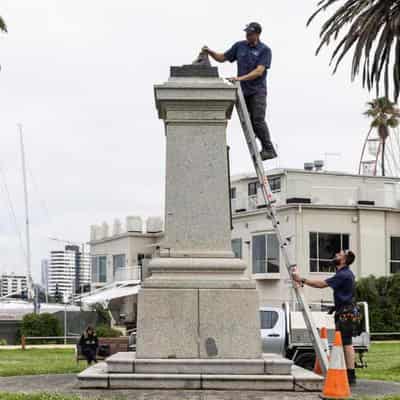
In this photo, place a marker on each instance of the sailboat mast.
(27, 227)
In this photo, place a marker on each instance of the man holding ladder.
(343, 285)
(254, 59)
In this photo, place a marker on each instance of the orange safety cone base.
(336, 385)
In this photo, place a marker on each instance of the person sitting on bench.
(89, 344)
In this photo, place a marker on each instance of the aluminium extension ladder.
(272, 215)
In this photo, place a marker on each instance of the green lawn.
(38, 361)
(383, 362)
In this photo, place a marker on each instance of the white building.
(13, 283)
(123, 254)
(69, 271)
(322, 212)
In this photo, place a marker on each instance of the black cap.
(253, 27)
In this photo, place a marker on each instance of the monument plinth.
(198, 314)
(198, 303)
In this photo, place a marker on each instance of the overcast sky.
(79, 74)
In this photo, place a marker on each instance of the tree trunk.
(383, 156)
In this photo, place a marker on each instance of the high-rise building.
(13, 283)
(68, 272)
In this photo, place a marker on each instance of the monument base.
(272, 372)
(198, 308)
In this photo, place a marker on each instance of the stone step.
(270, 364)
(97, 377)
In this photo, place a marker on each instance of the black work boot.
(351, 376)
(268, 153)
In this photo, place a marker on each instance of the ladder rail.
(272, 214)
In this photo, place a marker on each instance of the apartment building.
(69, 272)
(13, 283)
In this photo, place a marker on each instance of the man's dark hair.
(350, 257)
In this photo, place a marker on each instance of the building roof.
(110, 292)
(283, 171)
(127, 235)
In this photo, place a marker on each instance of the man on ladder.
(254, 59)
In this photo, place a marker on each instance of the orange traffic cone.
(323, 333)
(336, 384)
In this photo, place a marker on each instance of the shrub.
(106, 331)
(40, 325)
(383, 297)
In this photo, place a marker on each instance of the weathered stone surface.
(270, 364)
(247, 382)
(155, 381)
(305, 380)
(123, 362)
(194, 70)
(95, 377)
(275, 364)
(167, 323)
(197, 218)
(300, 379)
(198, 272)
(230, 319)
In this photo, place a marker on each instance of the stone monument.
(198, 303)
(198, 314)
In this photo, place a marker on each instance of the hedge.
(106, 331)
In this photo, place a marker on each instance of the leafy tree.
(40, 325)
(385, 116)
(383, 298)
(371, 30)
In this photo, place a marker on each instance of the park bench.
(114, 345)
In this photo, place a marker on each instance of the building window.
(394, 254)
(233, 193)
(323, 247)
(265, 254)
(237, 247)
(118, 262)
(252, 188)
(99, 269)
(275, 183)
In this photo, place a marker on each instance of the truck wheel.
(305, 360)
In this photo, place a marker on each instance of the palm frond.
(370, 29)
(3, 26)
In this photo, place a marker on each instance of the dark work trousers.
(256, 106)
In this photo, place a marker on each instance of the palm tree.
(371, 28)
(3, 26)
(385, 116)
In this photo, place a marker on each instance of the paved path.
(67, 384)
